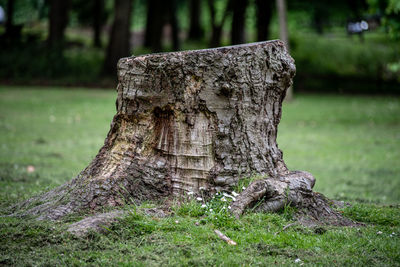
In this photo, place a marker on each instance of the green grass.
(351, 144)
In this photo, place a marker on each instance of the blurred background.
(342, 46)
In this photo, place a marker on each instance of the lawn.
(350, 143)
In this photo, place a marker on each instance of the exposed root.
(295, 189)
(97, 223)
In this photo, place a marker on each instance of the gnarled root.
(293, 189)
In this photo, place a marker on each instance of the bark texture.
(190, 121)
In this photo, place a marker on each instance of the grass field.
(350, 143)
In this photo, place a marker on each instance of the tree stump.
(190, 121)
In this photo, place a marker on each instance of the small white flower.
(223, 199)
(190, 193)
(211, 210)
(243, 188)
(199, 199)
(234, 194)
(223, 207)
(229, 207)
(204, 206)
(227, 195)
(379, 232)
(202, 188)
(297, 260)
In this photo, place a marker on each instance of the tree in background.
(264, 14)
(152, 18)
(390, 12)
(58, 20)
(238, 21)
(172, 19)
(10, 15)
(98, 11)
(284, 35)
(160, 13)
(91, 14)
(119, 40)
(195, 30)
(216, 27)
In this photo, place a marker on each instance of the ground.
(350, 143)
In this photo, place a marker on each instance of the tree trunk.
(151, 5)
(173, 20)
(159, 13)
(156, 16)
(284, 34)
(195, 30)
(264, 15)
(58, 22)
(216, 33)
(98, 7)
(119, 41)
(188, 122)
(10, 18)
(238, 21)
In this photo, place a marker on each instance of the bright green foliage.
(351, 144)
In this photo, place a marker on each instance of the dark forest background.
(78, 42)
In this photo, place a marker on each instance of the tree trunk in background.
(216, 33)
(10, 17)
(193, 121)
(155, 23)
(284, 34)
(195, 30)
(160, 12)
(238, 21)
(58, 22)
(98, 7)
(119, 40)
(173, 20)
(151, 6)
(264, 15)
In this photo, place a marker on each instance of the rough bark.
(294, 189)
(190, 121)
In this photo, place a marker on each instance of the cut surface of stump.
(190, 121)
